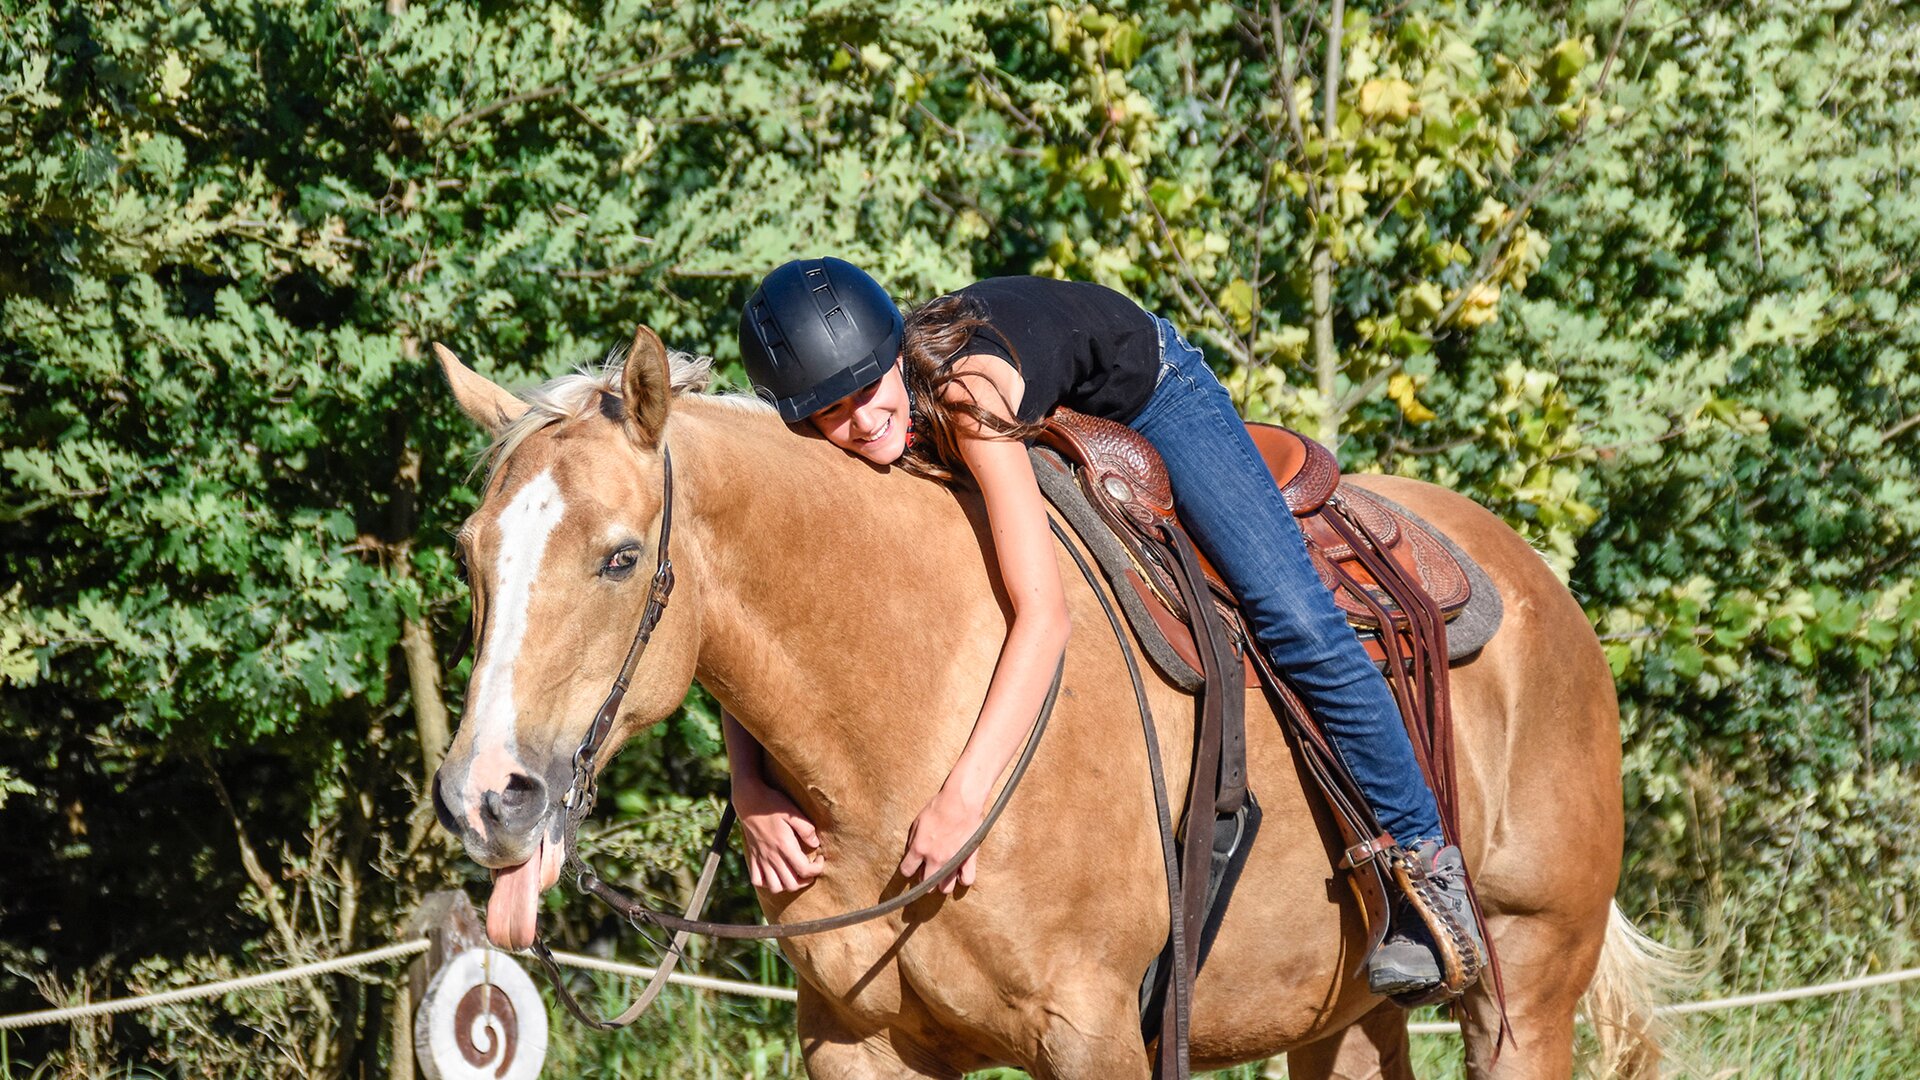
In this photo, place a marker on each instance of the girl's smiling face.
(871, 423)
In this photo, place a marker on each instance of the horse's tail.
(1635, 974)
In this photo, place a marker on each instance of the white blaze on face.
(525, 526)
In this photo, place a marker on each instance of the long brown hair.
(936, 335)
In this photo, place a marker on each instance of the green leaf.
(174, 75)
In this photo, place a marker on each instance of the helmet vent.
(837, 323)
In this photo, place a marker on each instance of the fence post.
(473, 1012)
(450, 924)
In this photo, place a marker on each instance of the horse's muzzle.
(499, 824)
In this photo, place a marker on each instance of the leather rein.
(583, 789)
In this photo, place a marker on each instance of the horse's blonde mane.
(575, 394)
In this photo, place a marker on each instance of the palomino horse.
(850, 617)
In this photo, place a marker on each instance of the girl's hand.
(783, 849)
(936, 836)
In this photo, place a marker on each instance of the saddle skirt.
(1124, 480)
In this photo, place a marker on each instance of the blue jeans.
(1236, 515)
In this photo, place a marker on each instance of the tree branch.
(1402, 446)
(1491, 253)
(269, 891)
(1326, 357)
(1287, 72)
(602, 79)
(1005, 100)
(431, 722)
(1193, 278)
(1900, 428)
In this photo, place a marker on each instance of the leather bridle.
(585, 785)
(578, 802)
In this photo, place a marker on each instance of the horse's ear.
(483, 400)
(646, 386)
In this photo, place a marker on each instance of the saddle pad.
(1470, 630)
(1125, 480)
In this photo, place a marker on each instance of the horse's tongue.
(515, 903)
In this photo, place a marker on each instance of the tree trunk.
(416, 634)
(423, 678)
(1326, 356)
(400, 1064)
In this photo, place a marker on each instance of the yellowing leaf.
(1490, 216)
(1237, 301)
(1421, 303)
(174, 77)
(1481, 306)
(1567, 60)
(1401, 389)
(1387, 99)
(1286, 344)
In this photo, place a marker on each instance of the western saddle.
(1397, 584)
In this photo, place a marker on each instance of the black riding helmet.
(815, 331)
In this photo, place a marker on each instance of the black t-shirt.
(1074, 343)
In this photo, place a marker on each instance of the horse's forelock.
(581, 391)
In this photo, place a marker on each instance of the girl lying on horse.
(950, 392)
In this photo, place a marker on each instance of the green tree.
(231, 477)
(1723, 343)
(1637, 277)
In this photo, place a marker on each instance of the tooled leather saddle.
(1398, 585)
(1123, 478)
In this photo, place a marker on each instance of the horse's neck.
(826, 594)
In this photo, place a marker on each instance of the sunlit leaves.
(1686, 376)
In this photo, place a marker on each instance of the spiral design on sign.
(481, 1018)
(487, 1029)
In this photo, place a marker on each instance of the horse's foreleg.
(1093, 1047)
(834, 1050)
(1375, 1046)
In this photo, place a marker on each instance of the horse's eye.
(620, 564)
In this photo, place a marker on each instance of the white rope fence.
(1770, 997)
(698, 982)
(777, 993)
(227, 986)
(365, 959)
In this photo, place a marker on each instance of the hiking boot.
(1410, 966)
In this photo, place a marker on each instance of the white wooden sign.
(481, 1019)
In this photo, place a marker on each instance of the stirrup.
(1461, 961)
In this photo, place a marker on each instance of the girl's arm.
(1023, 549)
(783, 850)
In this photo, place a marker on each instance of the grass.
(1860, 1035)
(694, 1035)
(697, 1036)
(1869, 1035)
(687, 1035)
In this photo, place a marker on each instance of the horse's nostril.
(524, 795)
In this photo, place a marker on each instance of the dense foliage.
(1637, 277)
